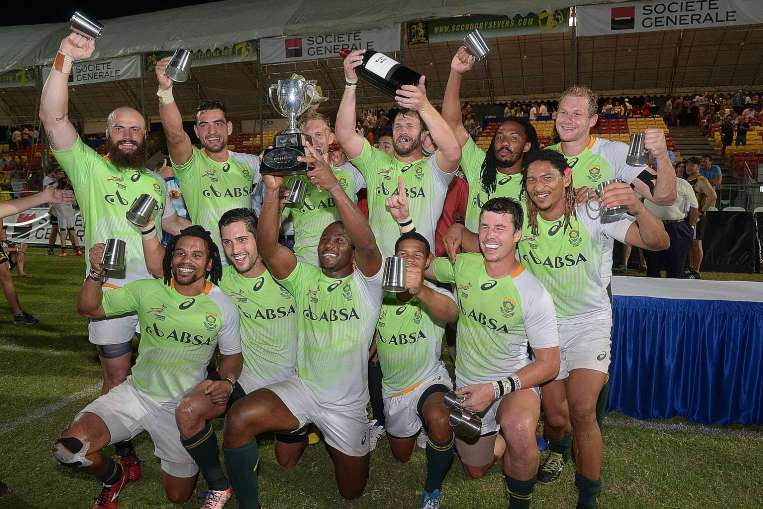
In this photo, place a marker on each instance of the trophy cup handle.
(311, 94)
(274, 100)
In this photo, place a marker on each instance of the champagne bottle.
(383, 72)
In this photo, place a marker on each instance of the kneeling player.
(409, 338)
(183, 318)
(502, 307)
(337, 307)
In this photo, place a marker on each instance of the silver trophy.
(476, 45)
(141, 210)
(296, 195)
(179, 68)
(637, 153)
(596, 210)
(113, 259)
(465, 423)
(86, 27)
(290, 98)
(393, 279)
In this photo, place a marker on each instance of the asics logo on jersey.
(572, 161)
(135, 176)
(258, 285)
(333, 286)
(116, 198)
(186, 304)
(488, 285)
(226, 167)
(504, 181)
(555, 228)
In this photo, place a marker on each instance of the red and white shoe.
(109, 497)
(131, 465)
(217, 499)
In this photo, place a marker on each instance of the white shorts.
(127, 412)
(584, 346)
(401, 415)
(345, 430)
(250, 382)
(113, 331)
(67, 221)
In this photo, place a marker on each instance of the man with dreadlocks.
(183, 318)
(563, 247)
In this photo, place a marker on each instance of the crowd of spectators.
(19, 137)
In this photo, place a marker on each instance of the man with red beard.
(105, 189)
(426, 178)
(213, 179)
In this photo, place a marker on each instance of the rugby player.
(212, 179)
(337, 308)
(318, 210)
(564, 247)
(183, 318)
(105, 189)
(268, 343)
(408, 340)
(490, 174)
(426, 178)
(502, 307)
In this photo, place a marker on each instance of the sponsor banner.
(17, 78)
(102, 71)
(652, 16)
(293, 48)
(453, 29)
(245, 51)
(33, 227)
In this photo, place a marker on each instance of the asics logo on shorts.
(601, 356)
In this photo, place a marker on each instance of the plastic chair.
(734, 209)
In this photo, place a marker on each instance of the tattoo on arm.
(51, 139)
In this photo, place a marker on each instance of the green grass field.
(48, 373)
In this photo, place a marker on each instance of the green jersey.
(210, 189)
(178, 334)
(425, 185)
(318, 210)
(569, 263)
(509, 186)
(336, 324)
(601, 160)
(268, 327)
(105, 193)
(497, 318)
(408, 341)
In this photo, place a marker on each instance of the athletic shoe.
(216, 499)
(375, 432)
(551, 469)
(421, 440)
(25, 318)
(109, 497)
(131, 465)
(63, 253)
(431, 500)
(77, 252)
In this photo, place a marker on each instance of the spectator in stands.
(727, 133)
(18, 178)
(618, 109)
(16, 140)
(51, 179)
(26, 140)
(647, 108)
(35, 135)
(542, 110)
(741, 127)
(507, 111)
(534, 112)
(628, 108)
(679, 219)
(712, 172)
(706, 198)
(67, 217)
(607, 108)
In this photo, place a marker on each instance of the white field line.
(48, 409)
(26, 349)
(678, 427)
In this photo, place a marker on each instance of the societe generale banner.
(292, 48)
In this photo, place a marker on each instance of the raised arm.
(54, 104)
(178, 142)
(348, 138)
(414, 97)
(49, 195)
(664, 192)
(153, 253)
(278, 258)
(90, 301)
(462, 62)
(368, 258)
(707, 190)
(440, 306)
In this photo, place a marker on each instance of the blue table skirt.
(699, 359)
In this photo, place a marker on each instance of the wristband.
(348, 85)
(98, 277)
(147, 234)
(165, 96)
(407, 229)
(349, 82)
(405, 221)
(63, 63)
(231, 381)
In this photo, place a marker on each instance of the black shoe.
(551, 469)
(694, 275)
(25, 318)
(620, 269)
